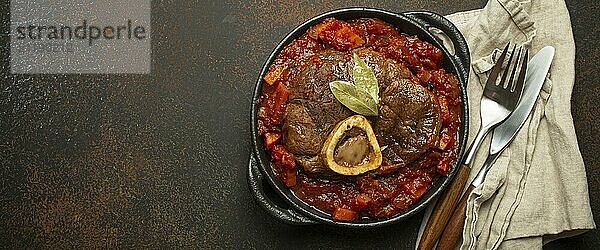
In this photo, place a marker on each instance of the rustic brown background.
(159, 160)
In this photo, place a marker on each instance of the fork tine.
(522, 71)
(497, 67)
(511, 83)
(503, 82)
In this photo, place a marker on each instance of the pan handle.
(257, 187)
(461, 54)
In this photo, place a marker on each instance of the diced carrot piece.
(337, 34)
(286, 163)
(444, 165)
(274, 74)
(416, 188)
(280, 155)
(347, 33)
(420, 191)
(443, 168)
(424, 76)
(343, 214)
(446, 141)
(289, 161)
(275, 105)
(361, 202)
(448, 137)
(271, 139)
(314, 31)
(281, 95)
(289, 178)
(345, 38)
(444, 110)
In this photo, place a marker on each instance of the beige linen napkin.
(537, 189)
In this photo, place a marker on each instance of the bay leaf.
(354, 98)
(364, 78)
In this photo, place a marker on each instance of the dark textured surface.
(159, 160)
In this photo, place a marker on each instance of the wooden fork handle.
(443, 209)
(453, 232)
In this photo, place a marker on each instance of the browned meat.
(409, 122)
(301, 136)
(313, 111)
(408, 119)
(386, 70)
(314, 165)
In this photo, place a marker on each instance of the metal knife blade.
(503, 135)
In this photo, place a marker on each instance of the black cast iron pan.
(281, 202)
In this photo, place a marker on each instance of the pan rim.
(286, 193)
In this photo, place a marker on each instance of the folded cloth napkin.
(537, 189)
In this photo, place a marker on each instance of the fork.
(497, 103)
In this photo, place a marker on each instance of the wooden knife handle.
(443, 209)
(453, 232)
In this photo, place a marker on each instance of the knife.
(502, 136)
